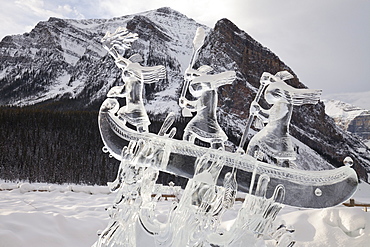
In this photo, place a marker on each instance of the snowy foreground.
(40, 215)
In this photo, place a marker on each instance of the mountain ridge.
(359, 99)
(350, 118)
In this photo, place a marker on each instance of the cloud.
(207, 12)
(22, 15)
(324, 42)
(67, 10)
(14, 20)
(39, 9)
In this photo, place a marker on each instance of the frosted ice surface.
(273, 142)
(133, 76)
(204, 125)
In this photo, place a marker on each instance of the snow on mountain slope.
(359, 99)
(343, 113)
(350, 118)
(75, 65)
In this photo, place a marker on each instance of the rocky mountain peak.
(147, 28)
(350, 118)
(169, 11)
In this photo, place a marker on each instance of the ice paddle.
(197, 44)
(266, 79)
(167, 123)
(264, 82)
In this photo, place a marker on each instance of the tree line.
(39, 145)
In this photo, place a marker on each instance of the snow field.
(44, 215)
(52, 215)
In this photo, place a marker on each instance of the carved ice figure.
(134, 77)
(201, 206)
(124, 211)
(274, 141)
(254, 221)
(203, 202)
(203, 87)
(133, 187)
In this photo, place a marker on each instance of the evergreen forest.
(40, 145)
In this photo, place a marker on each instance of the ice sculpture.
(203, 86)
(134, 76)
(216, 177)
(204, 125)
(273, 143)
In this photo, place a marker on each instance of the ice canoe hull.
(305, 189)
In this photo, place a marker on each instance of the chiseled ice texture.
(203, 87)
(133, 76)
(265, 173)
(195, 218)
(274, 141)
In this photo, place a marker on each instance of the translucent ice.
(273, 142)
(214, 176)
(203, 87)
(134, 76)
(204, 125)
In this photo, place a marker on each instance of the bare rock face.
(349, 117)
(63, 61)
(361, 126)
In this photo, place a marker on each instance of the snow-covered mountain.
(63, 61)
(359, 99)
(350, 118)
(343, 113)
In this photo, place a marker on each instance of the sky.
(326, 43)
